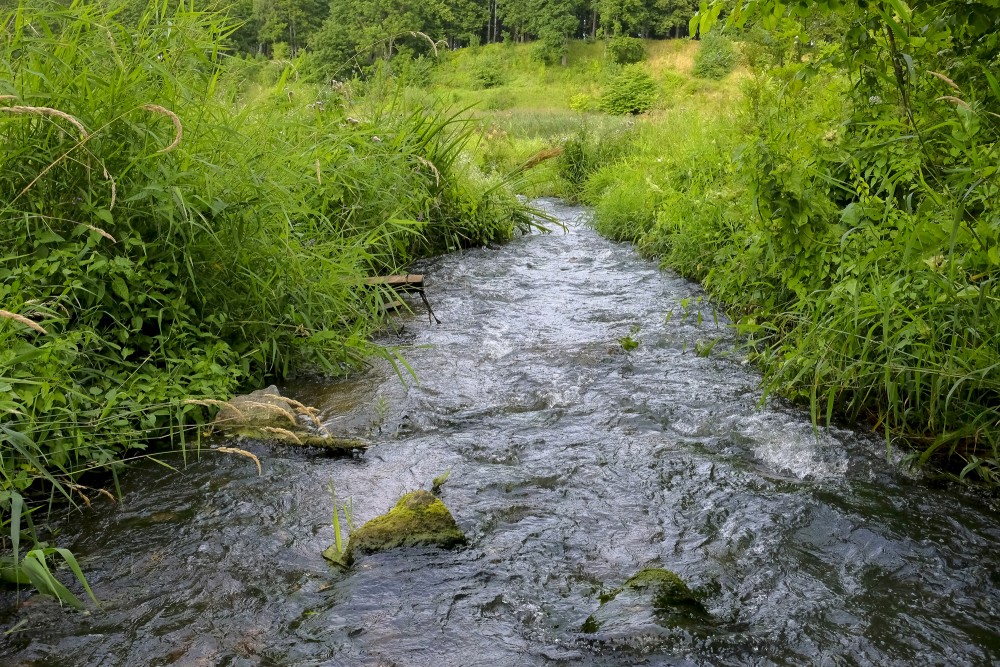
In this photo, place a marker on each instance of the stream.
(574, 464)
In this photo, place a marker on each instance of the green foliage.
(583, 102)
(585, 151)
(489, 71)
(632, 91)
(162, 242)
(626, 50)
(716, 58)
(844, 212)
(33, 569)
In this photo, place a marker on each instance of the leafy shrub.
(716, 57)
(413, 71)
(488, 72)
(583, 102)
(632, 91)
(587, 151)
(627, 209)
(550, 48)
(626, 50)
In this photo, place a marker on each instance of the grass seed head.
(6, 314)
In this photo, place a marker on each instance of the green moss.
(418, 519)
(339, 558)
(660, 591)
(669, 590)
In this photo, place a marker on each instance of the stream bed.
(574, 464)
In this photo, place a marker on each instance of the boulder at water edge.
(419, 519)
(652, 597)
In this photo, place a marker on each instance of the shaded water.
(573, 465)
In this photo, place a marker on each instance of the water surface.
(573, 465)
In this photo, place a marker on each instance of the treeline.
(342, 30)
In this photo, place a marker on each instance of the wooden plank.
(409, 281)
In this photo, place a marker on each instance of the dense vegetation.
(845, 211)
(193, 198)
(172, 231)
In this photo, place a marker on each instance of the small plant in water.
(348, 509)
(629, 343)
(34, 570)
(703, 348)
(439, 481)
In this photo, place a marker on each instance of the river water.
(573, 464)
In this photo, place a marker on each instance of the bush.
(626, 50)
(583, 102)
(632, 91)
(488, 72)
(499, 101)
(716, 58)
(413, 71)
(549, 49)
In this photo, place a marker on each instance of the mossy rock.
(653, 595)
(299, 438)
(338, 558)
(267, 415)
(419, 519)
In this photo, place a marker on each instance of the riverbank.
(176, 230)
(862, 281)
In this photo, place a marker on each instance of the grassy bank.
(850, 236)
(173, 231)
(858, 256)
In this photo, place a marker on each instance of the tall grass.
(167, 232)
(858, 256)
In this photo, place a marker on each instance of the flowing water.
(573, 464)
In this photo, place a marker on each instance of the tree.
(289, 21)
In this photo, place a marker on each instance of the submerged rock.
(267, 415)
(419, 519)
(652, 596)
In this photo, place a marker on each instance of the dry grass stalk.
(283, 432)
(302, 409)
(430, 41)
(6, 314)
(48, 111)
(79, 491)
(437, 174)
(955, 100)
(243, 452)
(313, 415)
(114, 187)
(101, 232)
(221, 404)
(178, 127)
(541, 156)
(944, 78)
(273, 408)
(206, 402)
(107, 494)
(5, 98)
